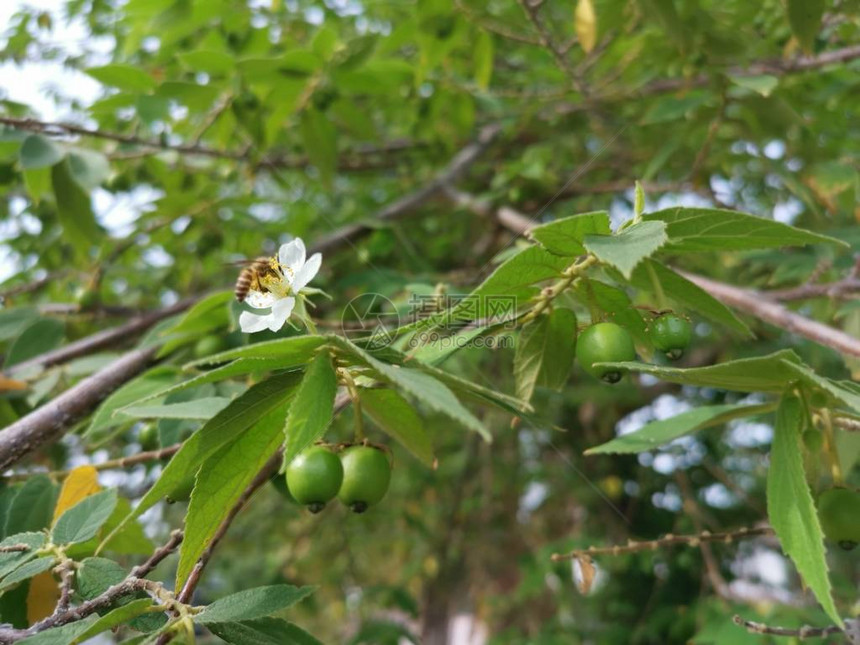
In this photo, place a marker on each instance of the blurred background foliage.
(222, 128)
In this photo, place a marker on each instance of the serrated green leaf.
(224, 476)
(657, 433)
(115, 618)
(790, 507)
(760, 374)
(711, 229)
(835, 389)
(63, 635)
(14, 559)
(763, 84)
(208, 61)
(252, 603)
(419, 385)
(32, 507)
(203, 408)
(397, 418)
(565, 236)
(38, 151)
(655, 278)
(292, 351)
(545, 352)
(83, 520)
(40, 337)
(262, 631)
(242, 413)
(207, 315)
(125, 77)
(89, 168)
(629, 247)
(312, 409)
(74, 208)
(27, 571)
(131, 540)
(152, 381)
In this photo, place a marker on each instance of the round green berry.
(604, 343)
(366, 475)
(314, 477)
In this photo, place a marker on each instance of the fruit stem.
(830, 446)
(569, 277)
(349, 382)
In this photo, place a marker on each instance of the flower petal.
(306, 273)
(292, 254)
(260, 299)
(281, 310)
(252, 323)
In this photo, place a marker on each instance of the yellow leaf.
(42, 597)
(8, 384)
(81, 482)
(585, 24)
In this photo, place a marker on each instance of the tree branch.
(144, 569)
(48, 423)
(805, 631)
(751, 302)
(455, 168)
(102, 339)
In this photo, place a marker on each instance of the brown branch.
(633, 546)
(102, 339)
(48, 423)
(144, 569)
(66, 571)
(15, 548)
(122, 462)
(455, 168)
(758, 305)
(351, 160)
(840, 289)
(805, 631)
(844, 423)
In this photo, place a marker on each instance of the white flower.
(292, 273)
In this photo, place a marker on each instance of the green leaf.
(545, 352)
(83, 520)
(125, 77)
(292, 351)
(616, 306)
(40, 337)
(629, 247)
(89, 168)
(116, 617)
(482, 55)
(655, 278)
(205, 316)
(39, 152)
(14, 559)
(419, 385)
(262, 631)
(203, 408)
(222, 479)
(223, 429)
(150, 382)
(805, 17)
(207, 60)
(130, 540)
(790, 507)
(320, 139)
(565, 236)
(33, 506)
(311, 412)
(38, 183)
(398, 419)
(835, 389)
(657, 433)
(710, 229)
(760, 374)
(63, 635)
(27, 571)
(13, 321)
(74, 208)
(252, 603)
(764, 84)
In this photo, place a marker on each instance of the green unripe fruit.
(314, 477)
(604, 343)
(148, 437)
(87, 298)
(209, 345)
(839, 512)
(671, 335)
(366, 475)
(182, 491)
(279, 483)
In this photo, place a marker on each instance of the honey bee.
(252, 275)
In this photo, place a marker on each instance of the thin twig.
(15, 548)
(844, 423)
(145, 568)
(633, 546)
(805, 631)
(111, 464)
